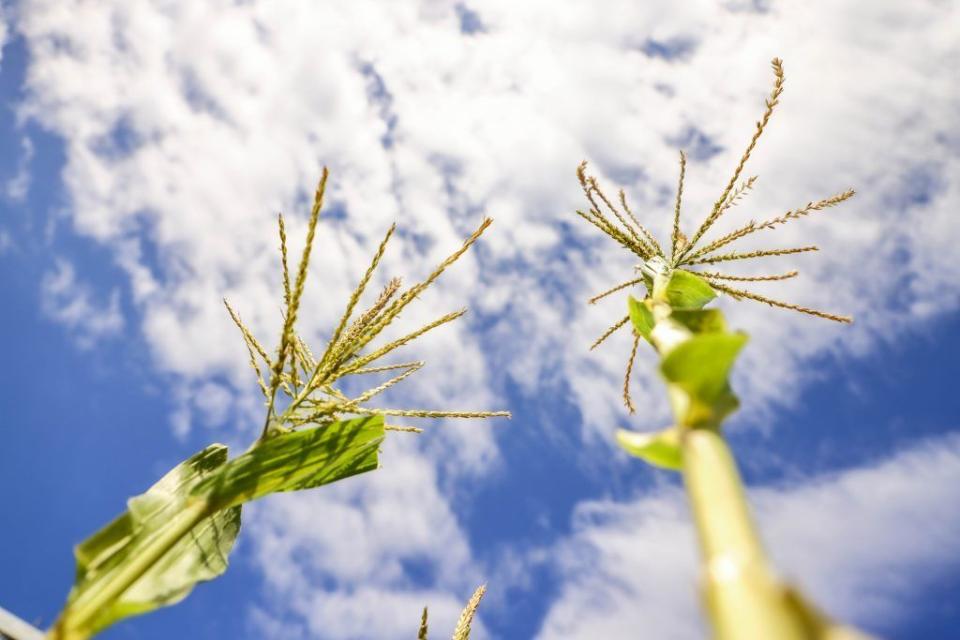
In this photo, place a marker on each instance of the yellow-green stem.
(744, 599)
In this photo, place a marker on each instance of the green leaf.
(697, 378)
(182, 529)
(297, 460)
(110, 586)
(661, 449)
(701, 320)
(687, 291)
(641, 316)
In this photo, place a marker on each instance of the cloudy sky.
(147, 147)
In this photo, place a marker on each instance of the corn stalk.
(744, 597)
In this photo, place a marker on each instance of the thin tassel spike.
(723, 241)
(390, 346)
(402, 429)
(349, 344)
(305, 355)
(361, 333)
(609, 332)
(582, 174)
(810, 207)
(294, 375)
(367, 395)
(626, 378)
(649, 236)
(598, 220)
(296, 294)
(253, 363)
(462, 632)
(371, 314)
(421, 413)
(771, 104)
(283, 261)
(726, 257)
(334, 392)
(771, 278)
(622, 285)
(387, 367)
(449, 260)
(675, 236)
(247, 335)
(633, 242)
(794, 214)
(740, 293)
(355, 296)
(614, 233)
(619, 216)
(405, 298)
(739, 193)
(422, 634)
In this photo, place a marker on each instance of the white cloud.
(863, 544)
(190, 144)
(188, 125)
(337, 560)
(75, 305)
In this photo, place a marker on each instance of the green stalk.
(85, 609)
(743, 597)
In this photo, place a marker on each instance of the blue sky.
(147, 149)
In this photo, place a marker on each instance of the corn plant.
(743, 596)
(182, 529)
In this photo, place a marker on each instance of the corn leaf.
(697, 375)
(181, 531)
(661, 449)
(701, 320)
(687, 291)
(297, 460)
(641, 317)
(107, 559)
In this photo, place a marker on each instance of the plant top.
(691, 254)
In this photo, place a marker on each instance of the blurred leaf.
(661, 449)
(697, 375)
(701, 320)
(108, 558)
(424, 628)
(641, 316)
(687, 291)
(297, 460)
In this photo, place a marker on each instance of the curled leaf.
(697, 373)
(661, 449)
(182, 529)
(153, 554)
(641, 317)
